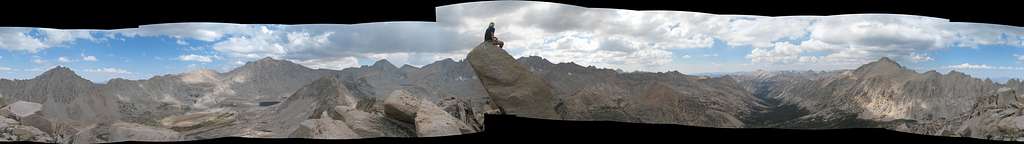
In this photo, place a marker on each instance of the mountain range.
(272, 98)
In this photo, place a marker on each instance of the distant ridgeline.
(271, 98)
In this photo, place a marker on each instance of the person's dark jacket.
(489, 34)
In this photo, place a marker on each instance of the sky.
(655, 41)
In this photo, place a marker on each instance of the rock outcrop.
(324, 128)
(998, 116)
(121, 131)
(429, 119)
(510, 85)
(12, 130)
(523, 87)
(309, 102)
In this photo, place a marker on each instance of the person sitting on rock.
(498, 43)
(489, 36)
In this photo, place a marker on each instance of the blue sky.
(687, 42)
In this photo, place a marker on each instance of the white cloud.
(56, 37)
(265, 41)
(762, 32)
(19, 39)
(855, 39)
(599, 37)
(89, 58)
(38, 61)
(1020, 57)
(983, 66)
(624, 39)
(199, 31)
(109, 71)
(63, 59)
(916, 57)
(686, 56)
(16, 39)
(330, 63)
(196, 58)
(970, 66)
(181, 42)
(5, 68)
(844, 40)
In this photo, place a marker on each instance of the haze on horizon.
(687, 42)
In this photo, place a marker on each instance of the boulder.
(432, 121)
(361, 122)
(401, 106)
(11, 130)
(324, 129)
(427, 118)
(513, 88)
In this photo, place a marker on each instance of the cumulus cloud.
(23, 39)
(983, 66)
(38, 61)
(199, 31)
(601, 37)
(16, 39)
(63, 59)
(180, 42)
(916, 57)
(330, 63)
(89, 58)
(553, 29)
(196, 58)
(1020, 57)
(856, 39)
(109, 71)
(623, 39)
(266, 41)
(311, 43)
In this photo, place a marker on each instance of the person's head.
(492, 24)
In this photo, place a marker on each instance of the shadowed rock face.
(510, 85)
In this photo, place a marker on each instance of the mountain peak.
(886, 59)
(882, 65)
(59, 72)
(383, 63)
(447, 60)
(270, 61)
(267, 60)
(268, 64)
(327, 89)
(406, 66)
(932, 73)
(533, 60)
